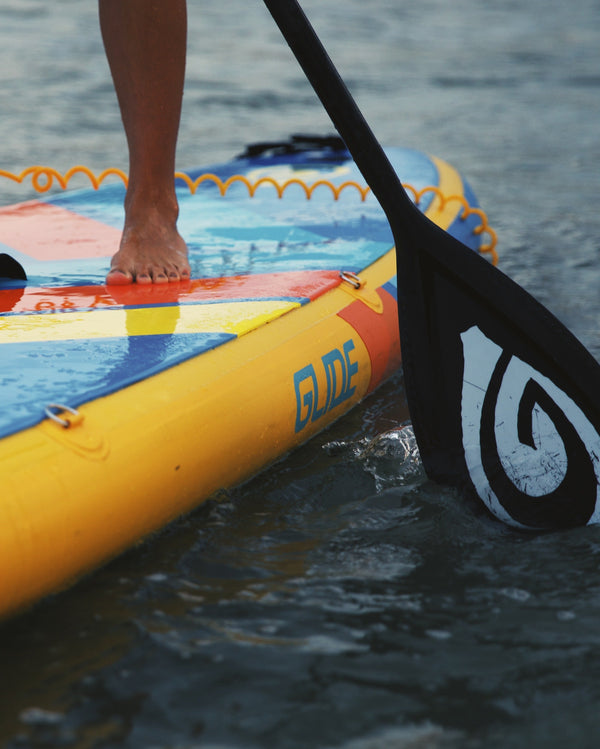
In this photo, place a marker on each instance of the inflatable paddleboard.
(124, 407)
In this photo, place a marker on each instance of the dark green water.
(340, 599)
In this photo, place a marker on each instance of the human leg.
(145, 42)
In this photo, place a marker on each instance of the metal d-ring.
(351, 278)
(51, 409)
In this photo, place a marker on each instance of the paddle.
(503, 398)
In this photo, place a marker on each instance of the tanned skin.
(145, 42)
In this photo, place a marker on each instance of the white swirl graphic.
(538, 469)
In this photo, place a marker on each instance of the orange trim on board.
(381, 341)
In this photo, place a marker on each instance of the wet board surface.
(66, 338)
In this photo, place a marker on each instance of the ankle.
(152, 206)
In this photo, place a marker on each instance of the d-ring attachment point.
(351, 278)
(53, 410)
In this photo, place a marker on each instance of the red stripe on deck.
(48, 232)
(379, 333)
(293, 285)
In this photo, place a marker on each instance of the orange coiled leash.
(43, 178)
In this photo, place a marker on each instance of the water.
(340, 599)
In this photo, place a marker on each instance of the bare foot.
(152, 253)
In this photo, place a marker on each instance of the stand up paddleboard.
(124, 407)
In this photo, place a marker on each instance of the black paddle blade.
(504, 400)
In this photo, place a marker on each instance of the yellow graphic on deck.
(235, 318)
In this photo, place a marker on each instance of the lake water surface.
(339, 600)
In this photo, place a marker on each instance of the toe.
(117, 277)
(160, 277)
(144, 279)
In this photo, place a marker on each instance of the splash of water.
(392, 457)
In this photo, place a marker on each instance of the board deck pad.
(67, 338)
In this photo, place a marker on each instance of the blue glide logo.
(339, 371)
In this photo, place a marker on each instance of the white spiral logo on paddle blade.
(537, 434)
